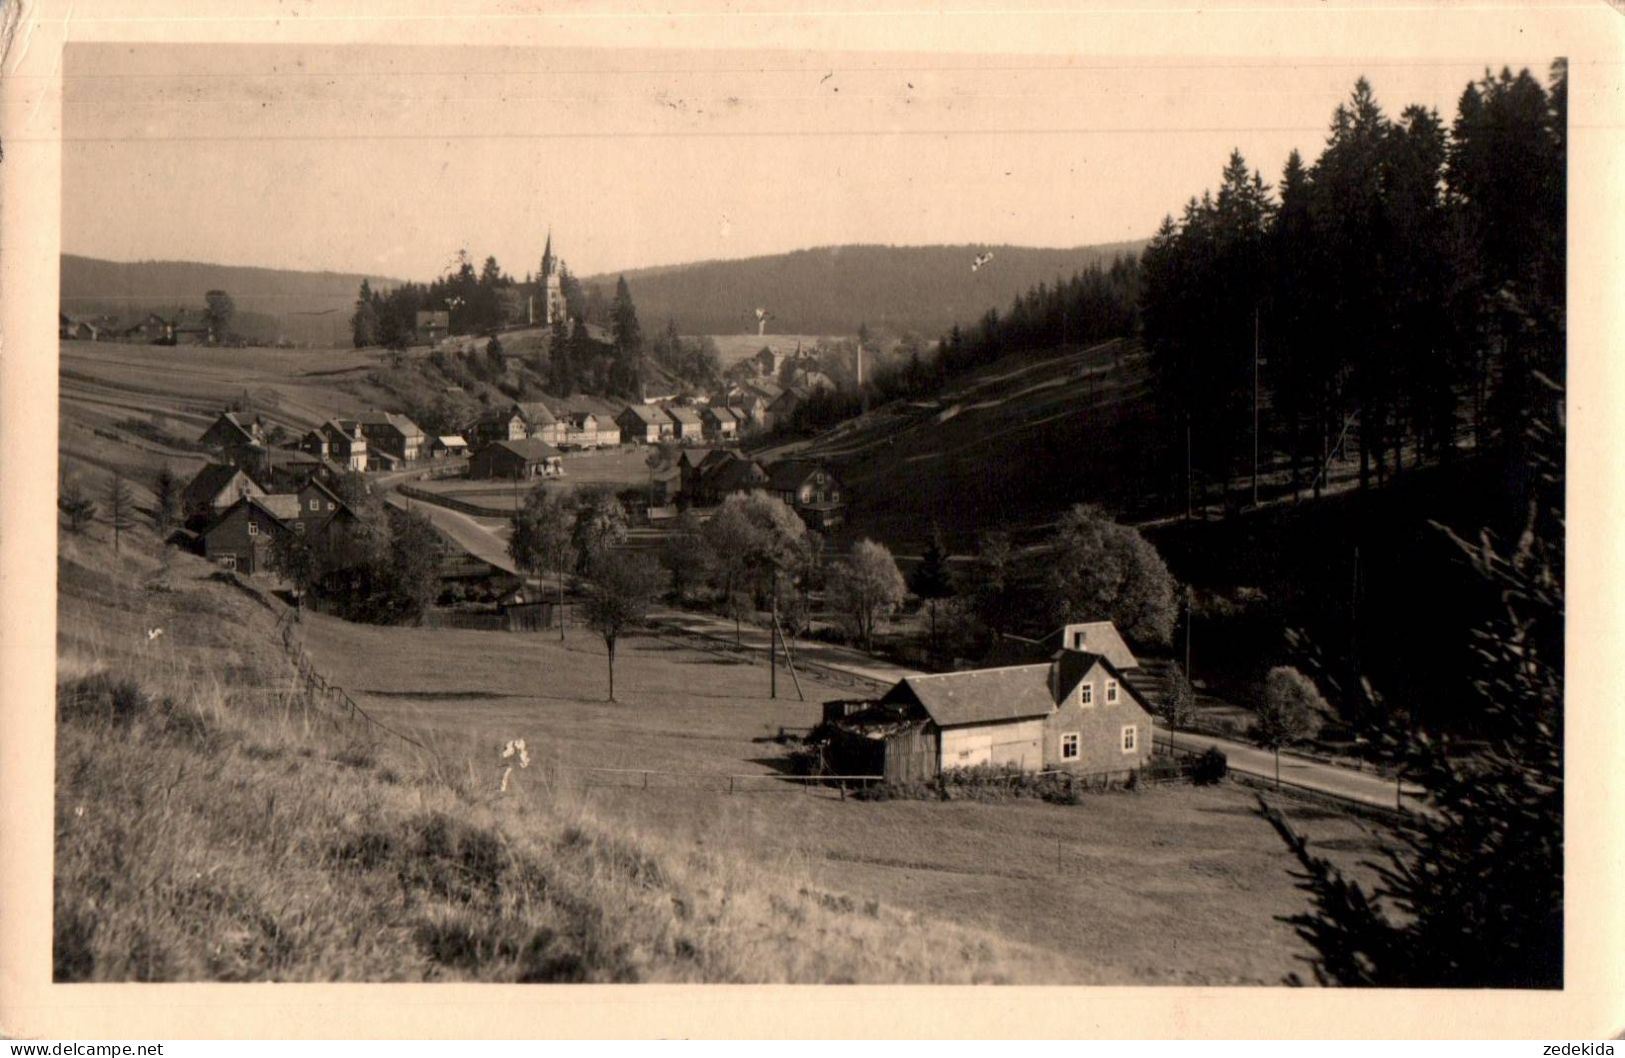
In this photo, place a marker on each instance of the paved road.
(1363, 787)
(471, 534)
(483, 538)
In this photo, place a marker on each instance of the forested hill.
(295, 304)
(832, 289)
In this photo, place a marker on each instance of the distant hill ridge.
(822, 290)
(832, 289)
(271, 302)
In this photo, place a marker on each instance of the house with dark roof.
(719, 423)
(242, 536)
(687, 426)
(783, 406)
(393, 435)
(1076, 712)
(516, 460)
(216, 487)
(316, 508)
(338, 440)
(810, 489)
(645, 424)
(541, 423)
(231, 430)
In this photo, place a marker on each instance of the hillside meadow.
(213, 825)
(1171, 884)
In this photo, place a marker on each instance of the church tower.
(551, 291)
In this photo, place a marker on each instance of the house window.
(315, 505)
(1111, 692)
(1077, 640)
(228, 561)
(253, 529)
(298, 527)
(1086, 693)
(1069, 746)
(1131, 738)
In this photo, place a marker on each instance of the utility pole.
(1255, 405)
(1187, 467)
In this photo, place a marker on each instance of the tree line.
(1410, 276)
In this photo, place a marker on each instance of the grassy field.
(213, 824)
(1172, 884)
(618, 467)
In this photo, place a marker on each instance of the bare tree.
(120, 507)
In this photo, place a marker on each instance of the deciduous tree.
(866, 586)
(1105, 571)
(618, 595)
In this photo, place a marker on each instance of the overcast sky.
(386, 160)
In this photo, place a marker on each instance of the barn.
(512, 460)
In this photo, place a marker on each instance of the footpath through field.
(1337, 781)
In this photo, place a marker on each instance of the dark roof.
(650, 414)
(735, 475)
(536, 413)
(788, 474)
(388, 418)
(980, 696)
(530, 449)
(721, 413)
(230, 418)
(579, 419)
(208, 482)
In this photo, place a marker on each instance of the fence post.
(730, 784)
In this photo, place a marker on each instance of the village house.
(288, 469)
(644, 424)
(722, 473)
(541, 423)
(391, 435)
(318, 508)
(77, 330)
(237, 441)
(581, 430)
(153, 328)
(243, 535)
(687, 427)
(719, 423)
(783, 406)
(809, 489)
(1077, 712)
(432, 325)
(229, 430)
(214, 488)
(338, 440)
(516, 460)
(498, 424)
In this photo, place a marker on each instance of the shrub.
(1211, 767)
(102, 696)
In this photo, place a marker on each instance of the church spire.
(547, 255)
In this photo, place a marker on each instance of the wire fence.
(323, 692)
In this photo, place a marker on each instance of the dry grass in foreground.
(212, 826)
